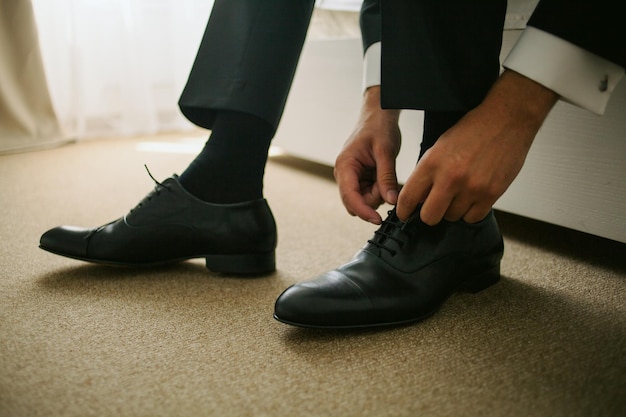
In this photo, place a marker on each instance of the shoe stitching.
(97, 229)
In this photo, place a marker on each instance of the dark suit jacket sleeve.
(370, 23)
(592, 25)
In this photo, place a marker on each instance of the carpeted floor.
(85, 340)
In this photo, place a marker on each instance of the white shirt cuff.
(577, 75)
(371, 66)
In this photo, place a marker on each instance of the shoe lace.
(387, 233)
(156, 192)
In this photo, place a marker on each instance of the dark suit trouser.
(250, 50)
(440, 57)
(426, 65)
(247, 59)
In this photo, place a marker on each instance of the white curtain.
(117, 67)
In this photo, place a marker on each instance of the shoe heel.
(244, 264)
(482, 280)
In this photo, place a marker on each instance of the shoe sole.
(473, 285)
(236, 264)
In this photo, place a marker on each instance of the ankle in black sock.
(231, 166)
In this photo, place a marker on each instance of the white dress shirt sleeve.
(578, 76)
(371, 66)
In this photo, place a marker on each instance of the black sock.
(231, 166)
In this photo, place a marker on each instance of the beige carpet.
(85, 340)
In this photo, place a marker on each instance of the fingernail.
(392, 196)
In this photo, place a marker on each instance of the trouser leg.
(247, 59)
(435, 124)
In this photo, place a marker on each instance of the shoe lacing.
(387, 233)
(156, 192)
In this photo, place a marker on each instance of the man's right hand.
(365, 169)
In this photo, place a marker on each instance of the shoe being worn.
(171, 225)
(404, 274)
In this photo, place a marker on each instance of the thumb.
(387, 180)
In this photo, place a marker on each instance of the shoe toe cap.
(66, 240)
(330, 300)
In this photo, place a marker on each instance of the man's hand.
(365, 169)
(474, 162)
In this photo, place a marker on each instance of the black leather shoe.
(404, 274)
(171, 225)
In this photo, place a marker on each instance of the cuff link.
(604, 84)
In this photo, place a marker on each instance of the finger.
(386, 179)
(477, 212)
(348, 181)
(458, 207)
(414, 191)
(435, 205)
(350, 191)
(371, 195)
(365, 212)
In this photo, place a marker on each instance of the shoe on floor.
(403, 274)
(171, 225)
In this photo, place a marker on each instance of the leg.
(238, 87)
(246, 60)
(215, 210)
